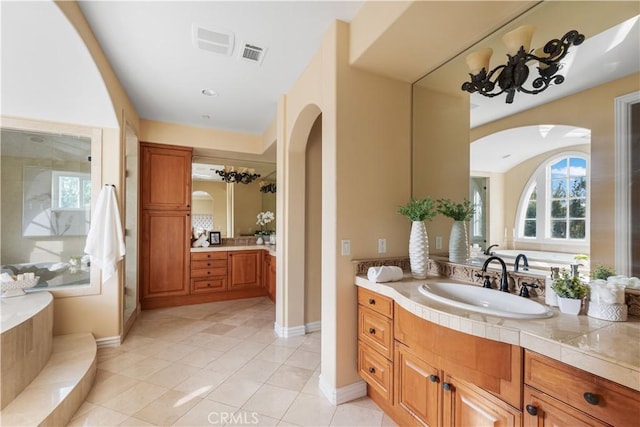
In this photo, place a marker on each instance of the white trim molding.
(344, 394)
(622, 181)
(108, 342)
(284, 332)
(312, 326)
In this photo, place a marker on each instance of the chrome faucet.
(525, 263)
(488, 250)
(504, 281)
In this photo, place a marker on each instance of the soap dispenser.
(550, 297)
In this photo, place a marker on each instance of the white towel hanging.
(105, 242)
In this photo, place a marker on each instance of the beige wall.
(592, 109)
(247, 203)
(313, 225)
(365, 123)
(440, 147)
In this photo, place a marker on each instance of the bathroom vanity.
(427, 363)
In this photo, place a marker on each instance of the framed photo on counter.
(214, 238)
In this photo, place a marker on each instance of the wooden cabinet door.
(166, 177)
(467, 405)
(165, 254)
(272, 279)
(245, 270)
(417, 386)
(542, 410)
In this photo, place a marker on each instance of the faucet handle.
(487, 282)
(524, 291)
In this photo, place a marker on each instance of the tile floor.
(215, 364)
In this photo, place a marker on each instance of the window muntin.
(554, 205)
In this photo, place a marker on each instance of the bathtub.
(540, 260)
(26, 333)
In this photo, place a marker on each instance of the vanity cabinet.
(269, 275)
(208, 272)
(559, 394)
(425, 374)
(375, 342)
(165, 224)
(245, 270)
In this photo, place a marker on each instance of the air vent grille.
(252, 53)
(216, 41)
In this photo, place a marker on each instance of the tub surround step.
(60, 388)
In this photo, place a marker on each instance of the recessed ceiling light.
(206, 116)
(209, 92)
(506, 156)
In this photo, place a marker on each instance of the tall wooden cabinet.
(165, 222)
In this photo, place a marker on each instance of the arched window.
(554, 208)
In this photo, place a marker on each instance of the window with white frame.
(71, 190)
(554, 205)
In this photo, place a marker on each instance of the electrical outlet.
(346, 247)
(438, 242)
(382, 246)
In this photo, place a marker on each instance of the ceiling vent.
(215, 41)
(252, 53)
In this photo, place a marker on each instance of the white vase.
(272, 239)
(418, 250)
(260, 241)
(569, 305)
(458, 243)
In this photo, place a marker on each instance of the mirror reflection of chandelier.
(267, 188)
(510, 78)
(234, 175)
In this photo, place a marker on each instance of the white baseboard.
(312, 327)
(108, 342)
(293, 331)
(342, 394)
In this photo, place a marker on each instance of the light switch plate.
(346, 247)
(438, 242)
(382, 246)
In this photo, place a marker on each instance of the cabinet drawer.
(203, 256)
(376, 330)
(211, 272)
(610, 402)
(375, 370)
(543, 411)
(214, 284)
(375, 302)
(211, 263)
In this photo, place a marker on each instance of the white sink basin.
(486, 301)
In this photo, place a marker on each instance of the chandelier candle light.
(511, 77)
(267, 188)
(240, 176)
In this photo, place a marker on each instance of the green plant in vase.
(570, 291)
(418, 211)
(602, 272)
(458, 240)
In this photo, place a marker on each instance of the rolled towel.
(385, 273)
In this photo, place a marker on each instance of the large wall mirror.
(50, 175)
(231, 209)
(541, 170)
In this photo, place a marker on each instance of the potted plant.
(418, 211)
(460, 213)
(264, 218)
(602, 272)
(570, 291)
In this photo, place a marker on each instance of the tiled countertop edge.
(270, 248)
(406, 294)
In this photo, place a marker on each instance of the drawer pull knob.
(433, 378)
(532, 410)
(372, 331)
(372, 301)
(591, 398)
(372, 370)
(447, 386)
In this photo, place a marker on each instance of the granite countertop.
(608, 349)
(269, 248)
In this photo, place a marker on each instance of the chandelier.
(267, 188)
(511, 76)
(240, 176)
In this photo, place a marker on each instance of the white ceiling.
(149, 45)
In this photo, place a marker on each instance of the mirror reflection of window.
(46, 206)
